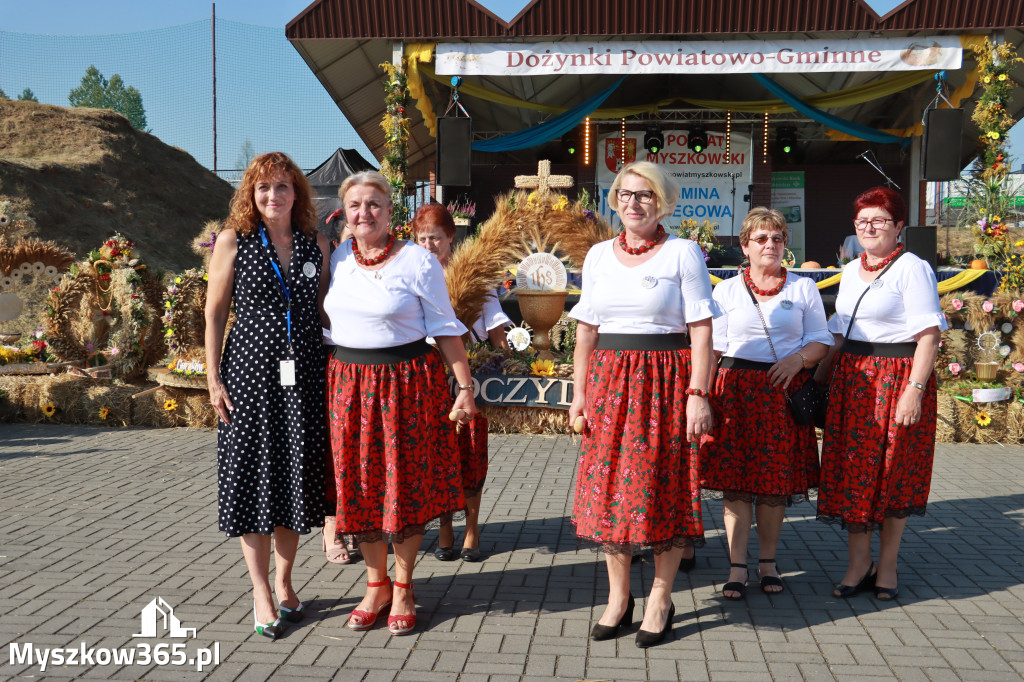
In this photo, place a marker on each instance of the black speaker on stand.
(454, 151)
(923, 242)
(943, 132)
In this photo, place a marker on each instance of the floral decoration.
(983, 418)
(543, 368)
(104, 412)
(955, 368)
(49, 409)
(170, 405)
(395, 166)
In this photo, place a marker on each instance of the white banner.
(708, 179)
(737, 56)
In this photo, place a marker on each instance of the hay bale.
(945, 422)
(543, 420)
(1015, 422)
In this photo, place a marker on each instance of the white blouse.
(409, 301)
(905, 302)
(491, 316)
(659, 296)
(795, 317)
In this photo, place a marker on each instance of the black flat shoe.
(687, 564)
(770, 580)
(866, 583)
(740, 588)
(646, 639)
(471, 554)
(445, 553)
(603, 632)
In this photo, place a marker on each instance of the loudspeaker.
(454, 158)
(922, 241)
(940, 154)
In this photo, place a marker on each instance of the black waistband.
(739, 363)
(881, 350)
(382, 356)
(677, 341)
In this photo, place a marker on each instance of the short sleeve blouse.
(407, 303)
(795, 317)
(904, 303)
(491, 316)
(659, 296)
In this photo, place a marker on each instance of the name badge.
(786, 305)
(309, 270)
(649, 282)
(877, 284)
(287, 372)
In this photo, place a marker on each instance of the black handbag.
(823, 392)
(803, 402)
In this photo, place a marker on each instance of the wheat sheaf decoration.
(522, 223)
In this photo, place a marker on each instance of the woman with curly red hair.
(268, 387)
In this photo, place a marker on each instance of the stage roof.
(344, 41)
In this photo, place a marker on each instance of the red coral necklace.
(376, 260)
(643, 248)
(882, 263)
(763, 292)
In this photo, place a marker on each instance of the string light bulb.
(622, 142)
(586, 141)
(728, 136)
(764, 140)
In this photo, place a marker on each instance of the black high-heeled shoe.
(866, 583)
(885, 593)
(645, 638)
(603, 632)
(687, 564)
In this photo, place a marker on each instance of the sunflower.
(543, 368)
(49, 409)
(170, 404)
(983, 418)
(104, 411)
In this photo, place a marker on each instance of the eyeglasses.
(643, 196)
(877, 223)
(762, 239)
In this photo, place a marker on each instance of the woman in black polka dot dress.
(269, 387)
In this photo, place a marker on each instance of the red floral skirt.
(396, 466)
(872, 469)
(472, 443)
(756, 452)
(637, 479)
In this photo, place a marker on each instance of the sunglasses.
(762, 239)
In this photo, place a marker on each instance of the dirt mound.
(84, 174)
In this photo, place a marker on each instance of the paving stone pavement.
(97, 523)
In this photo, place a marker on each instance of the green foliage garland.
(395, 124)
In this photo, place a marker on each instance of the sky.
(56, 18)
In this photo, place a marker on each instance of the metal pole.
(213, 43)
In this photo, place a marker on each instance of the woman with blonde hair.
(645, 410)
(396, 467)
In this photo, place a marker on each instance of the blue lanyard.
(284, 287)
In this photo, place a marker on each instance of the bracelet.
(916, 385)
(803, 360)
(466, 387)
(699, 392)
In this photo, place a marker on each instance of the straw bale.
(544, 420)
(945, 423)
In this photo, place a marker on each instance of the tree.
(3, 95)
(97, 92)
(246, 155)
(28, 96)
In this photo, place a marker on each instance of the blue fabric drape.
(549, 130)
(834, 122)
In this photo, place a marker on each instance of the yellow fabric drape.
(416, 54)
(958, 281)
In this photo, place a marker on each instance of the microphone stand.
(874, 164)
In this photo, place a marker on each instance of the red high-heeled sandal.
(360, 620)
(408, 619)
